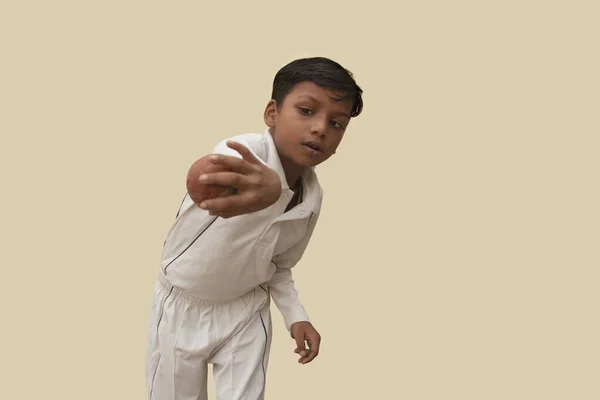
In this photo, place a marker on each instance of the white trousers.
(186, 333)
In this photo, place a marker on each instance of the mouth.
(313, 145)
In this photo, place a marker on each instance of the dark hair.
(323, 72)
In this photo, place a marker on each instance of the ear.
(271, 114)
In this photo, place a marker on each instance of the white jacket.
(221, 259)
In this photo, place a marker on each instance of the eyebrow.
(311, 97)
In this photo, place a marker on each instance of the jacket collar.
(312, 190)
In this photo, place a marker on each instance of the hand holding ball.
(233, 185)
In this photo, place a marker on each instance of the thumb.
(300, 344)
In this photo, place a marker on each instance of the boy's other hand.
(257, 185)
(305, 334)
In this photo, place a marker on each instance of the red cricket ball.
(199, 191)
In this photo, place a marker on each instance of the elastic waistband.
(182, 294)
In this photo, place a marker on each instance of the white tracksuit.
(211, 301)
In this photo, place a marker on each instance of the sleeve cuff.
(293, 316)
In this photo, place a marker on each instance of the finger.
(233, 163)
(232, 179)
(310, 356)
(314, 342)
(300, 346)
(301, 351)
(234, 204)
(307, 358)
(303, 356)
(244, 152)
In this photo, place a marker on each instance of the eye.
(305, 111)
(337, 125)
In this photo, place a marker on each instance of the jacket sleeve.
(282, 286)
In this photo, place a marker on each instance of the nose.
(319, 127)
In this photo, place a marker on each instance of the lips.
(314, 145)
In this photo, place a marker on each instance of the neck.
(292, 170)
(292, 173)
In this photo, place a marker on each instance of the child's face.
(308, 127)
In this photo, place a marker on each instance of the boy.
(224, 259)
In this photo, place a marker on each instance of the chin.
(310, 163)
(303, 164)
(304, 161)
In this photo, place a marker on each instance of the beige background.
(458, 252)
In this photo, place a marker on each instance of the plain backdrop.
(457, 256)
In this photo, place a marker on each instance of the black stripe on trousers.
(162, 311)
(265, 348)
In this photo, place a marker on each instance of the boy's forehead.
(309, 88)
(311, 91)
